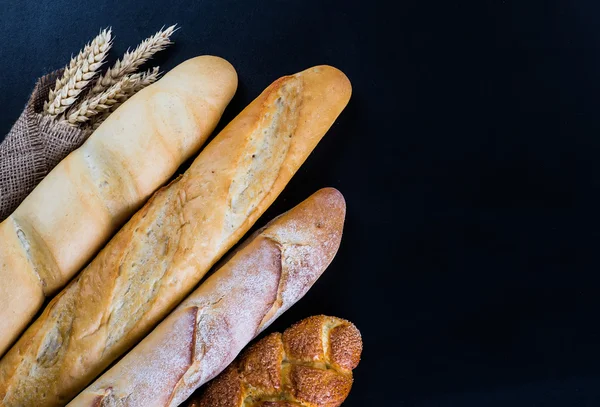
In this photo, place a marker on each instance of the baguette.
(272, 270)
(158, 257)
(310, 365)
(65, 220)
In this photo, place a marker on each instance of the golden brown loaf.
(310, 365)
(79, 205)
(156, 259)
(272, 270)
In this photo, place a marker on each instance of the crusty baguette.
(158, 257)
(310, 365)
(271, 271)
(78, 206)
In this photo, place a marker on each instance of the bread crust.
(59, 227)
(158, 257)
(273, 270)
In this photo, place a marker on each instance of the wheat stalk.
(133, 59)
(69, 71)
(99, 106)
(137, 82)
(78, 74)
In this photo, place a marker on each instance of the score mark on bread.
(267, 148)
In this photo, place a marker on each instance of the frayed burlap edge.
(34, 146)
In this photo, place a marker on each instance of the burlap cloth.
(34, 146)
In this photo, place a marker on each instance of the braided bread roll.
(309, 365)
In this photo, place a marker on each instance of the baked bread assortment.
(309, 365)
(157, 258)
(271, 271)
(92, 192)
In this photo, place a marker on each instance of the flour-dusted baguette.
(158, 257)
(309, 365)
(81, 202)
(269, 273)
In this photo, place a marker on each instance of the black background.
(469, 158)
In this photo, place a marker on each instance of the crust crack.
(266, 151)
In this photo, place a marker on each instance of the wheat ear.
(78, 74)
(133, 59)
(68, 72)
(75, 63)
(101, 105)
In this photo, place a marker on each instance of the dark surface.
(469, 158)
